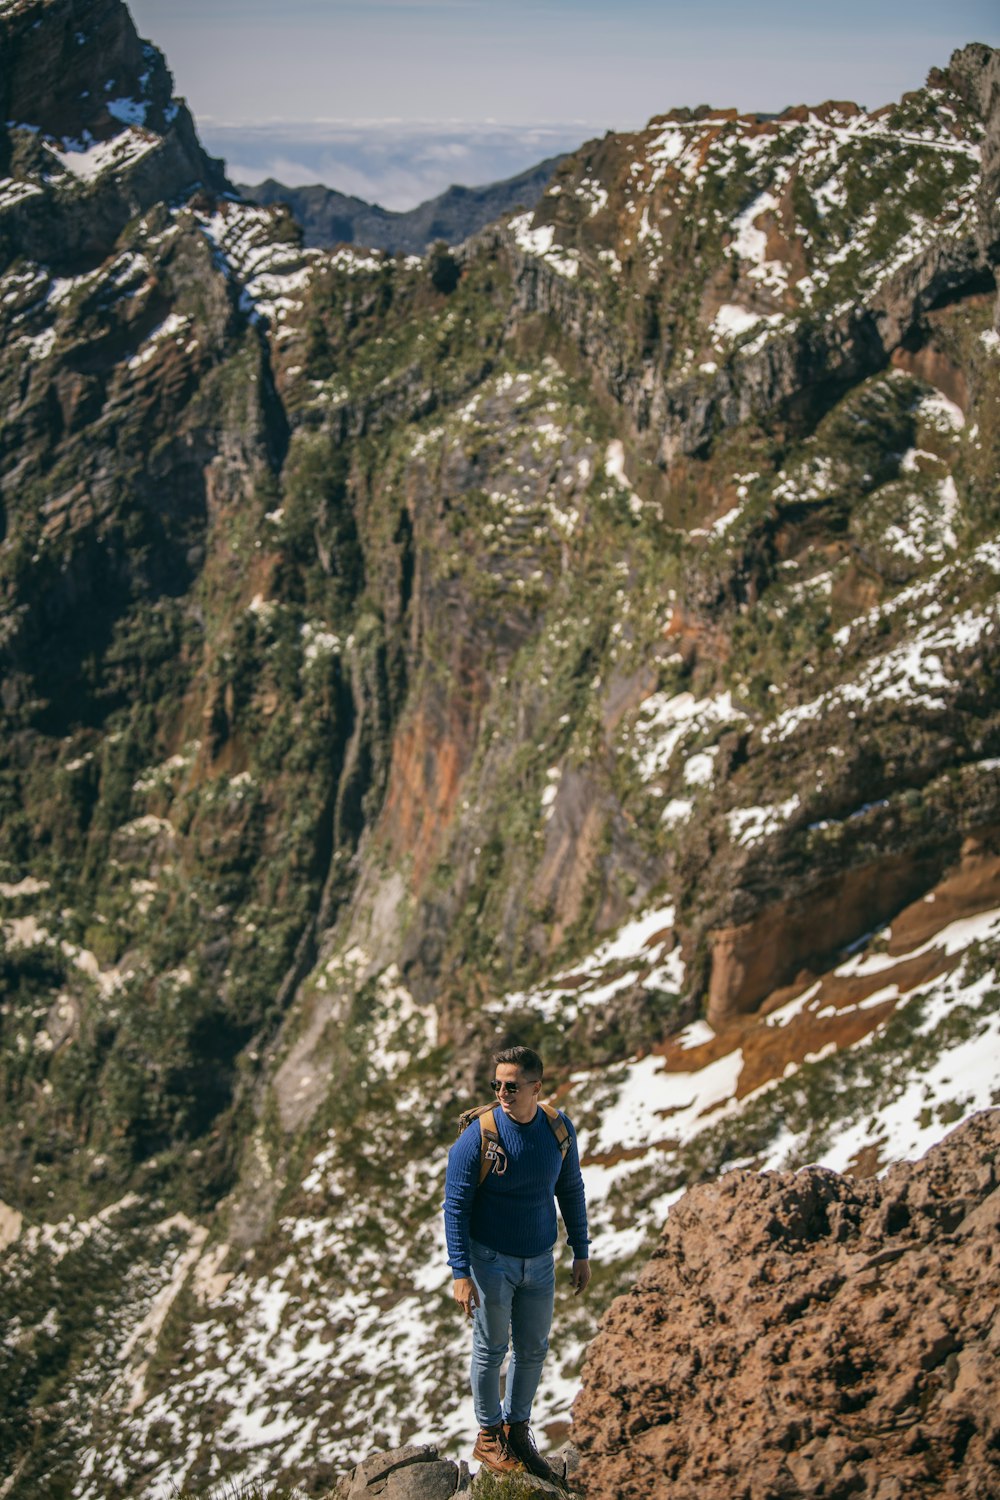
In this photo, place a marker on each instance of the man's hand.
(465, 1294)
(581, 1276)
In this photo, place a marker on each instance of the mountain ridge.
(329, 218)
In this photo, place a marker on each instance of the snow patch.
(749, 825)
(28, 886)
(666, 720)
(176, 327)
(925, 669)
(655, 1104)
(940, 412)
(88, 159)
(733, 319)
(541, 242)
(14, 190)
(128, 111)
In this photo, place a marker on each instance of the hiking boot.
(492, 1450)
(522, 1445)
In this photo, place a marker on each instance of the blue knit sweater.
(515, 1213)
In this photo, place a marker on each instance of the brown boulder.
(807, 1334)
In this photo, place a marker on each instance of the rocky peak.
(90, 134)
(79, 68)
(974, 73)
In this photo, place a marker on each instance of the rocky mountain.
(588, 637)
(329, 218)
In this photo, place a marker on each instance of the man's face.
(522, 1103)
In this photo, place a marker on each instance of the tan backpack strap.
(490, 1148)
(557, 1125)
(488, 1136)
(467, 1116)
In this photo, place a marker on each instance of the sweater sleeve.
(460, 1184)
(572, 1200)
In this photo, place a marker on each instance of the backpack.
(492, 1156)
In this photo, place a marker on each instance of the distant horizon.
(395, 165)
(448, 87)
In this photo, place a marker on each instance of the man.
(501, 1236)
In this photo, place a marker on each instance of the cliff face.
(142, 436)
(589, 637)
(810, 290)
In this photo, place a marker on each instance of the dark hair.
(522, 1057)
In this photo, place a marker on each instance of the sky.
(392, 100)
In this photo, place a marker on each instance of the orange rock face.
(807, 1334)
(814, 1012)
(424, 781)
(750, 962)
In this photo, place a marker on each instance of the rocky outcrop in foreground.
(411, 1473)
(807, 1334)
(416, 1472)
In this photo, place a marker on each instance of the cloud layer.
(395, 164)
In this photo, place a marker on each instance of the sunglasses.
(505, 1088)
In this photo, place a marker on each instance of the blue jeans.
(515, 1298)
